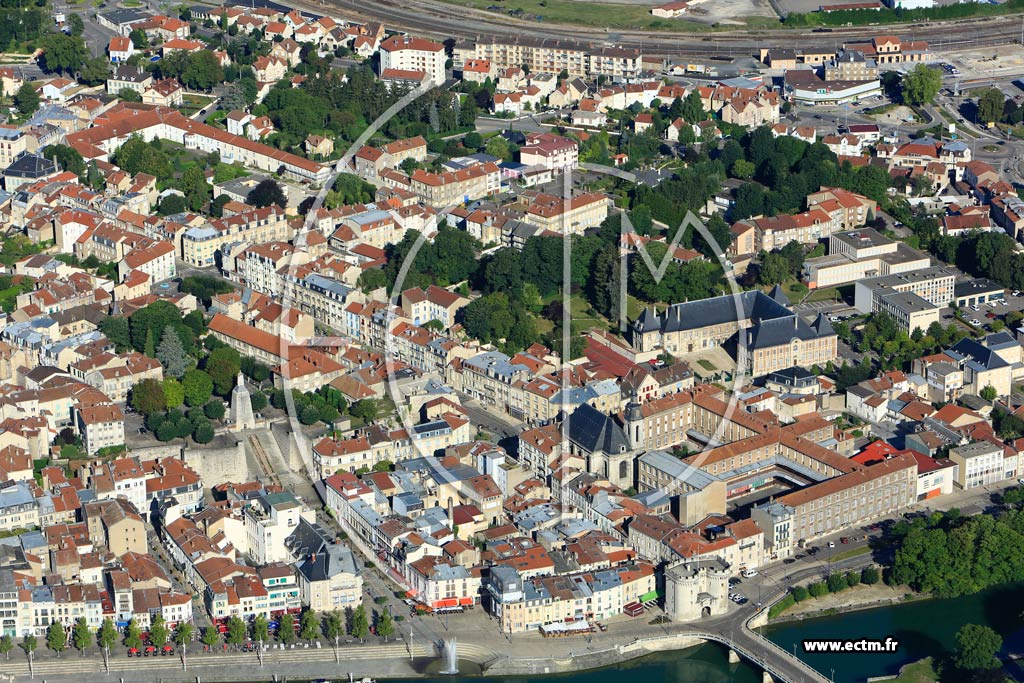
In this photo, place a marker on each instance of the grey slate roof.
(721, 310)
(976, 355)
(31, 166)
(594, 431)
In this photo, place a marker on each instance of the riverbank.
(857, 598)
(391, 661)
(922, 671)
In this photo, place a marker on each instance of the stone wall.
(222, 461)
(220, 464)
(587, 659)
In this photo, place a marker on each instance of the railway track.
(263, 460)
(438, 19)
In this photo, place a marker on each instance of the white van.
(747, 573)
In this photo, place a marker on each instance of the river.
(923, 628)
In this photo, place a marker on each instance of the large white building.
(269, 520)
(403, 53)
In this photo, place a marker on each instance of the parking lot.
(984, 314)
(1006, 62)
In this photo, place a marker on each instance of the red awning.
(450, 602)
(411, 593)
(465, 601)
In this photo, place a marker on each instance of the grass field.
(853, 552)
(827, 294)
(922, 671)
(615, 17)
(193, 103)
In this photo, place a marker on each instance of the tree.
(223, 365)
(498, 146)
(148, 396)
(215, 409)
(116, 329)
(268, 192)
(26, 99)
(800, 593)
(990, 105)
(172, 204)
(171, 353)
(138, 156)
(158, 632)
(203, 432)
(286, 629)
(774, 269)
(166, 431)
(472, 140)
(385, 625)
(750, 201)
(308, 625)
(6, 645)
(56, 637)
(743, 169)
(254, 370)
(94, 178)
(989, 393)
(260, 629)
(106, 636)
(75, 25)
(869, 576)
(258, 400)
(334, 626)
(197, 190)
(174, 392)
(67, 158)
(217, 205)
(360, 626)
(182, 637)
(210, 637)
(132, 635)
(976, 648)
(920, 85)
(94, 71)
(364, 409)
(693, 108)
(139, 39)
(81, 636)
(818, 589)
(236, 631)
(202, 70)
(371, 279)
(203, 287)
(63, 53)
(198, 387)
(29, 644)
(350, 189)
(836, 583)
